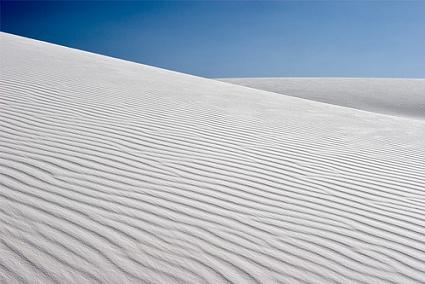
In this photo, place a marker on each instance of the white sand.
(400, 97)
(116, 172)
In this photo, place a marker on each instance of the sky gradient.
(238, 39)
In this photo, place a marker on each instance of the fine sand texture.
(400, 97)
(117, 172)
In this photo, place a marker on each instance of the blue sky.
(238, 39)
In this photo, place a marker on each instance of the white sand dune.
(400, 97)
(116, 172)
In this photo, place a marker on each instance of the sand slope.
(400, 97)
(116, 172)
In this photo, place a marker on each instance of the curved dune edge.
(117, 172)
(398, 97)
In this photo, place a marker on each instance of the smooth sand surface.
(117, 172)
(400, 97)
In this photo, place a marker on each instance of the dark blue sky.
(238, 39)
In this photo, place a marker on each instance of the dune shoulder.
(394, 96)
